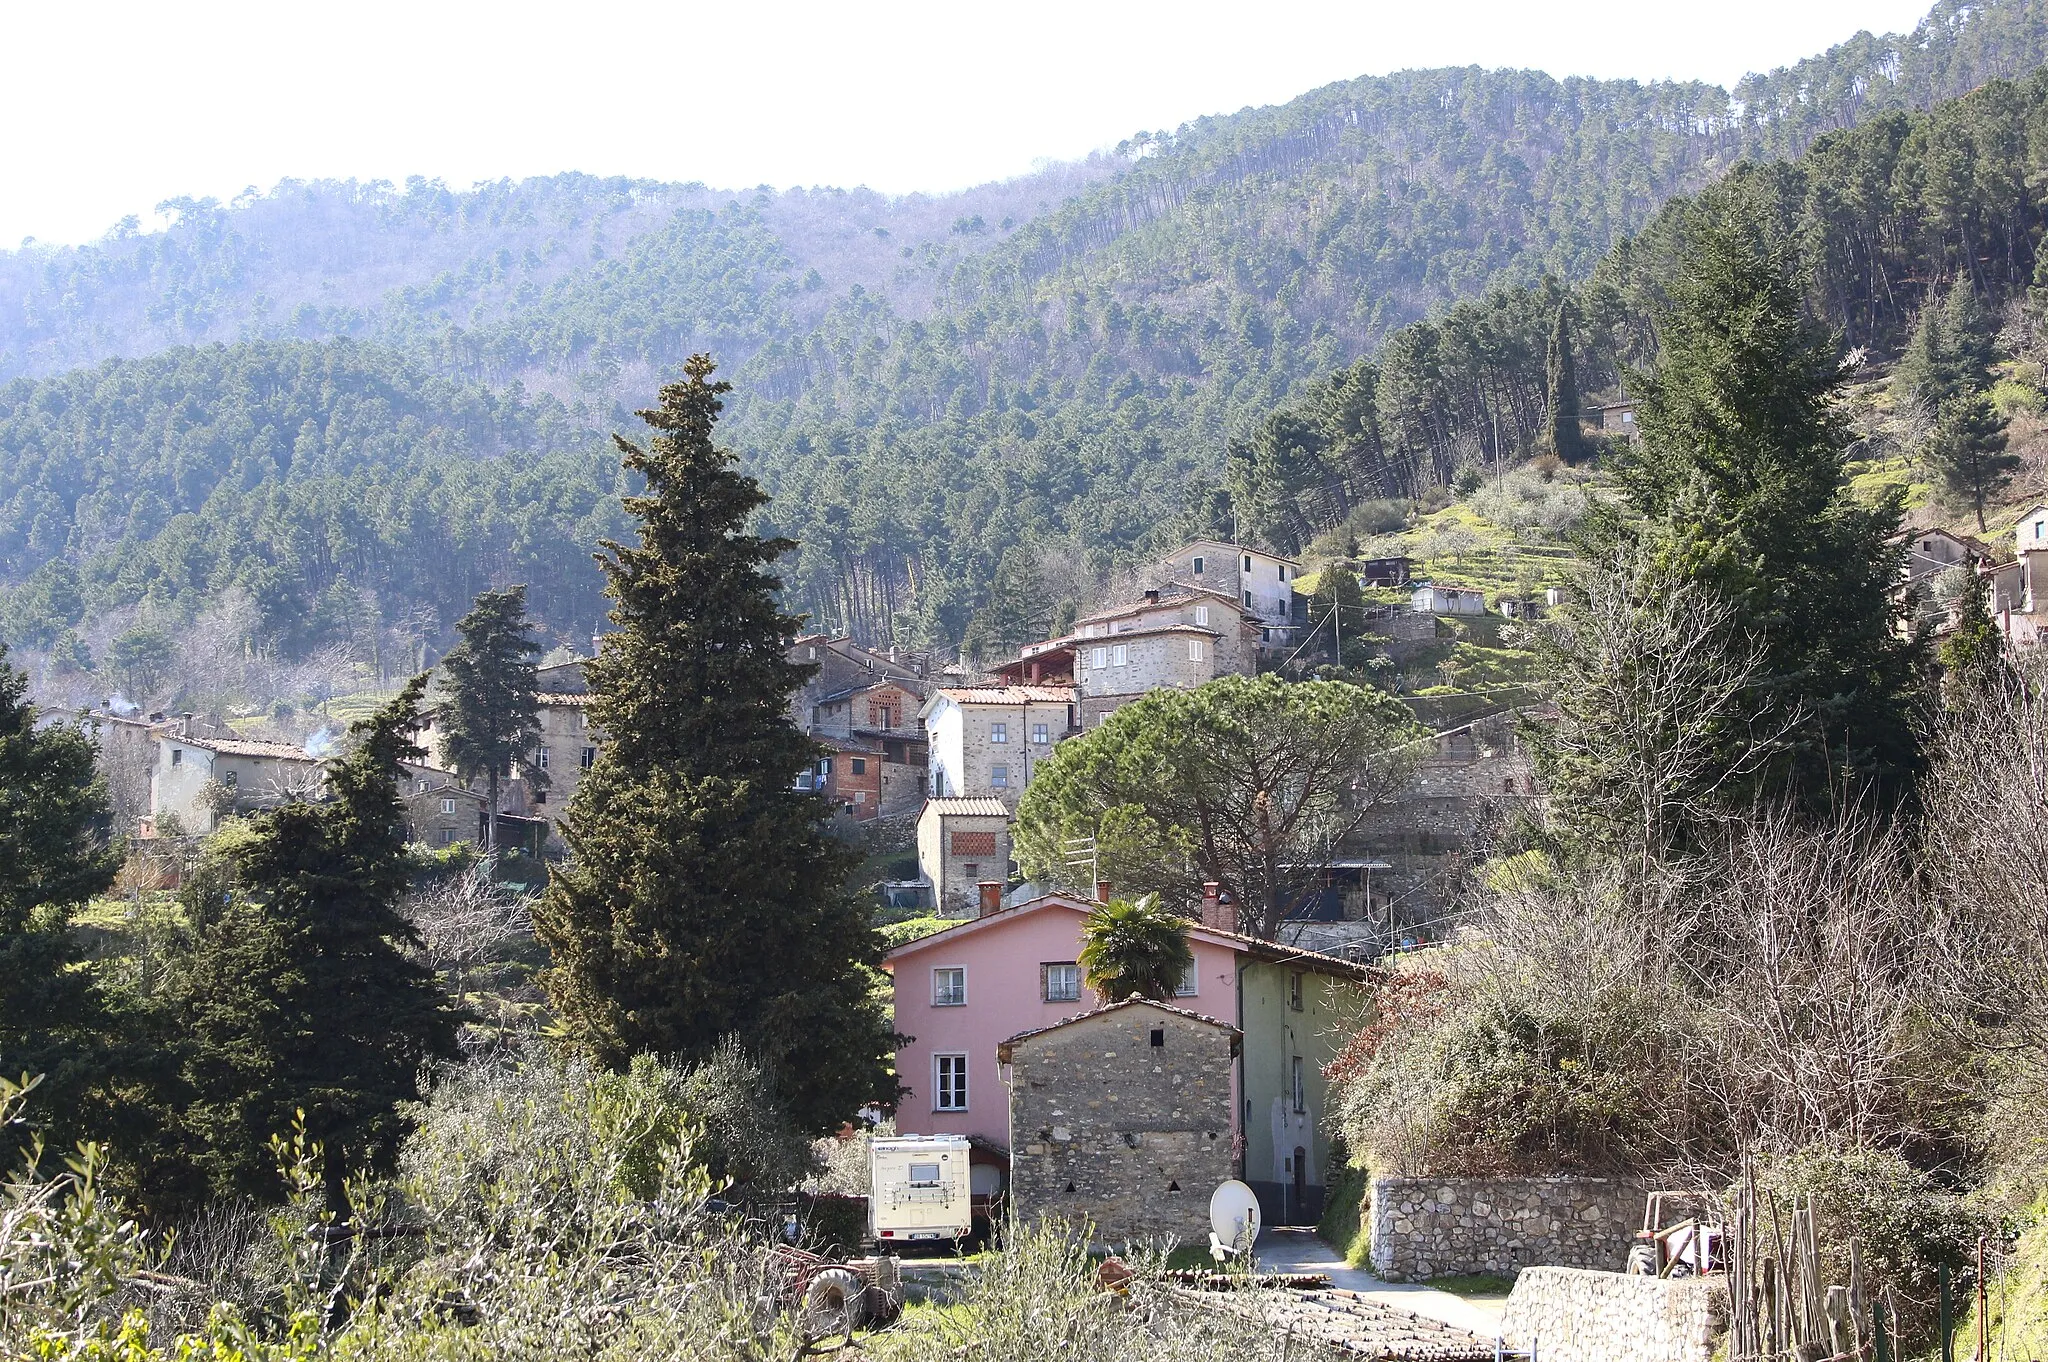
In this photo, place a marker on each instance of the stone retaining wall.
(1572, 1315)
(1445, 1227)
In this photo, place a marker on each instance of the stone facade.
(1121, 1117)
(1572, 1315)
(1262, 582)
(1446, 1227)
(439, 811)
(961, 843)
(985, 741)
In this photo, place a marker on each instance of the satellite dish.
(1234, 1217)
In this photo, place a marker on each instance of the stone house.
(1428, 599)
(1121, 1118)
(1261, 582)
(849, 776)
(248, 776)
(962, 844)
(960, 993)
(843, 665)
(568, 747)
(439, 809)
(1176, 636)
(983, 741)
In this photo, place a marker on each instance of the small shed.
(962, 843)
(1429, 599)
(1121, 1118)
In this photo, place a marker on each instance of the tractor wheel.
(1642, 1261)
(834, 1303)
(1679, 1269)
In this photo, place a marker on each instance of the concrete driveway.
(1298, 1250)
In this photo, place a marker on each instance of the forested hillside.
(1056, 365)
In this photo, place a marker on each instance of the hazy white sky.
(109, 108)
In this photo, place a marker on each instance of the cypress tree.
(1967, 450)
(1742, 476)
(1562, 436)
(297, 991)
(704, 897)
(53, 857)
(490, 717)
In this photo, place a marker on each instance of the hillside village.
(1410, 725)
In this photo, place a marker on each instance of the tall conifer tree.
(490, 718)
(1742, 476)
(297, 991)
(704, 897)
(1563, 437)
(53, 857)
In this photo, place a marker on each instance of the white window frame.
(1045, 981)
(541, 758)
(447, 806)
(951, 1096)
(1194, 650)
(999, 733)
(949, 998)
(999, 777)
(1202, 615)
(1297, 1081)
(1190, 985)
(1098, 658)
(1120, 655)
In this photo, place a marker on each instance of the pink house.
(961, 992)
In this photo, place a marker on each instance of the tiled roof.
(1117, 1007)
(242, 747)
(1204, 630)
(975, 808)
(1171, 596)
(1009, 695)
(558, 697)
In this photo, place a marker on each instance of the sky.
(111, 108)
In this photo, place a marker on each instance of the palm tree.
(1134, 950)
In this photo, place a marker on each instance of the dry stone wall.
(1446, 1227)
(1573, 1315)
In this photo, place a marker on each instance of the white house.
(199, 780)
(984, 741)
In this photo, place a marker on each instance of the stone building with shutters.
(439, 809)
(1121, 1118)
(960, 844)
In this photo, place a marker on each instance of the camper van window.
(924, 1175)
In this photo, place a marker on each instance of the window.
(1194, 650)
(542, 759)
(422, 788)
(949, 1073)
(447, 806)
(1202, 614)
(1041, 734)
(1062, 982)
(1247, 562)
(886, 718)
(860, 766)
(924, 1175)
(1097, 657)
(230, 779)
(949, 986)
(589, 757)
(1198, 565)
(999, 777)
(998, 732)
(1120, 654)
(2040, 527)
(1190, 982)
(1247, 600)
(1294, 984)
(1295, 1082)
(177, 756)
(972, 872)
(1159, 1043)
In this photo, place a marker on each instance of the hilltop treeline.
(925, 385)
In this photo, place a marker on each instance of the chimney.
(1214, 915)
(991, 898)
(1102, 891)
(1152, 596)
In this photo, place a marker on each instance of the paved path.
(1298, 1250)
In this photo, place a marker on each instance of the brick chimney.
(1152, 597)
(1215, 915)
(991, 898)
(1102, 891)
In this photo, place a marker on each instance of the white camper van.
(919, 1189)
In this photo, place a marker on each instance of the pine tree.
(1966, 450)
(490, 717)
(704, 896)
(297, 991)
(53, 857)
(1562, 434)
(1742, 476)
